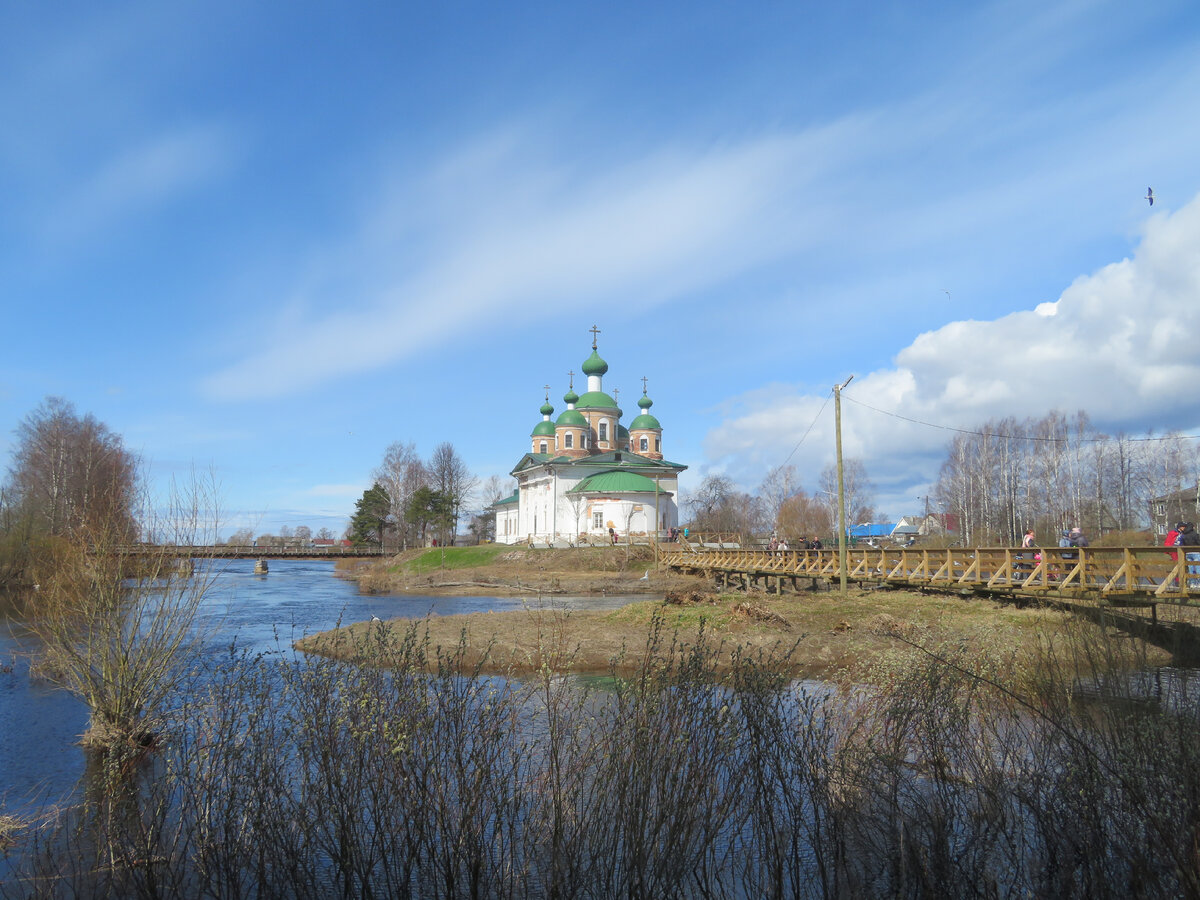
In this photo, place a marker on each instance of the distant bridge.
(245, 551)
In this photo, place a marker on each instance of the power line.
(807, 431)
(1018, 437)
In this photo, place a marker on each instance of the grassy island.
(816, 634)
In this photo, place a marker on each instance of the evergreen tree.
(371, 512)
(431, 510)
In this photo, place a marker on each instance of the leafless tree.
(117, 629)
(69, 472)
(718, 506)
(402, 474)
(802, 516)
(776, 488)
(450, 476)
(858, 489)
(483, 522)
(243, 537)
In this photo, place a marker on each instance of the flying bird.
(376, 619)
(645, 577)
(1150, 195)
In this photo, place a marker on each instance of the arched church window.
(543, 447)
(658, 445)
(645, 444)
(603, 431)
(569, 440)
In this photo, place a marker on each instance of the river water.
(40, 760)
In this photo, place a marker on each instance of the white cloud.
(1119, 344)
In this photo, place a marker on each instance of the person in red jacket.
(1172, 535)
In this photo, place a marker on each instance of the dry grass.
(831, 637)
(515, 571)
(10, 827)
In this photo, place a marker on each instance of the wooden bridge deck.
(1119, 575)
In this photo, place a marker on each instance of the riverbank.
(502, 570)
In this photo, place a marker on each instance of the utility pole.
(837, 420)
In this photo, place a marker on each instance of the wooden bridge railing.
(1118, 573)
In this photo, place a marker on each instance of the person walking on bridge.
(1027, 545)
(1190, 541)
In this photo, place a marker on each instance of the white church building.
(586, 473)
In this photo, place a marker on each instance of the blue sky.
(264, 241)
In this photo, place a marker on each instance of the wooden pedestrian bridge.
(1098, 576)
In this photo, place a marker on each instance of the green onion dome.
(544, 428)
(570, 397)
(546, 408)
(572, 417)
(594, 365)
(645, 420)
(597, 400)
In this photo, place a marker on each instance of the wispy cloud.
(139, 178)
(512, 220)
(632, 235)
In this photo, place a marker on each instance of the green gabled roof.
(543, 428)
(629, 460)
(645, 420)
(538, 459)
(596, 400)
(614, 483)
(507, 501)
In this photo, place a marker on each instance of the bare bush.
(951, 777)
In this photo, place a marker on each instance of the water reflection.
(40, 761)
